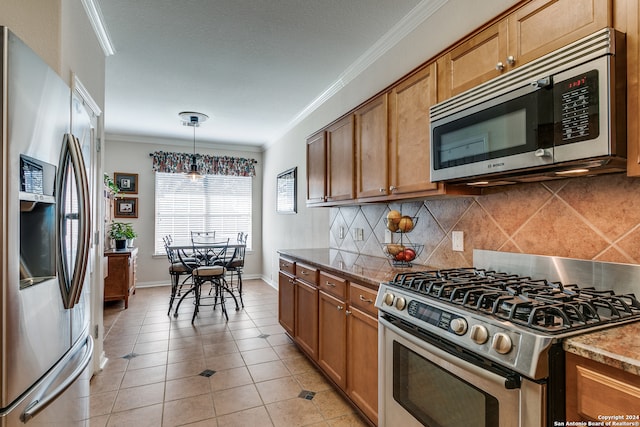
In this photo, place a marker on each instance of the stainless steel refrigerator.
(45, 241)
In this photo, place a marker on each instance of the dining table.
(195, 255)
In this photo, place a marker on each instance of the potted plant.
(121, 232)
(111, 186)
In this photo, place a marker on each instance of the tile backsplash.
(596, 218)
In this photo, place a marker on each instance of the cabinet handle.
(362, 298)
(340, 307)
(511, 60)
(304, 273)
(330, 284)
(392, 188)
(293, 282)
(348, 312)
(382, 190)
(499, 66)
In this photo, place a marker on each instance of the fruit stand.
(401, 253)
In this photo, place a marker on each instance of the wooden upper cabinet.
(531, 31)
(542, 26)
(340, 159)
(409, 133)
(371, 148)
(316, 168)
(476, 60)
(628, 20)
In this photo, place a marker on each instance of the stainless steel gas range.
(482, 346)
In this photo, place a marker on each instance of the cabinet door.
(409, 133)
(362, 368)
(542, 26)
(286, 302)
(306, 315)
(332, 338)
(475, 61)
(316, 168)
(340, 160)
(371, 148)
(595, 389)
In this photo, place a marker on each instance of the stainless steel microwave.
(561, 115)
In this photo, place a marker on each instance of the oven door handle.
(509, 379)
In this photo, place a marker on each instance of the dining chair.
(203, 237)
(235, 265)
(180, 265)
(211, 269)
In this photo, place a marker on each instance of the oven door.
(421, 384)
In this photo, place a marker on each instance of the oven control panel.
(437, 317)
(480, 334)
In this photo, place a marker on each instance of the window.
(217, 203)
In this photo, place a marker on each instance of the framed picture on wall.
(126, 182)
(286, 192)
(126, 207)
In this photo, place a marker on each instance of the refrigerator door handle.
(71, 172)
(85, 228)
(42, 401)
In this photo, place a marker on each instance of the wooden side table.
(121, 277)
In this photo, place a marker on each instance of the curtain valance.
(164, 161)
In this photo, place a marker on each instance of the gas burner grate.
(537, 304)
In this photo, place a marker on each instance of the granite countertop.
(369, 270)
(618, 346)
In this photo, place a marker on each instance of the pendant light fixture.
(193, 119)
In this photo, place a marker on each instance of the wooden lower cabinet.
(335, 324)
(595, 390)
(332, 337)
(286, 302)
(306, 315)
(362, 368)
(120, 281)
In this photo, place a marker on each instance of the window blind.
(219, 203)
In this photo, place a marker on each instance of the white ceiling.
(254, 66)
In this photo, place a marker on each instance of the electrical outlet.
(388, 237)
(457, 239)
(341, 232)
(358, 234)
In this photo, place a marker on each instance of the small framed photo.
(126, 207)
(126, 182)
(286, 192)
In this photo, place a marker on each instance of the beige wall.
(310, 227)
(38, 24)
(133, 157)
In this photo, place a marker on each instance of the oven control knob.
(479, 334)
(388, 299)
(458, 326)
(401, 303)
(501, 343)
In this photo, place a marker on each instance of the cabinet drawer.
(307, 273)
(363, 298)
(287, 265)
(333, 285)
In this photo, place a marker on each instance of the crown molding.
(143, 139)
(92, 8)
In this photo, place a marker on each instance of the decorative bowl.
(401, 225)
(402, 254)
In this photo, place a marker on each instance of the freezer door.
(60, 398)
(35, 327)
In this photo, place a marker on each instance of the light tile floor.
(158, 367)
